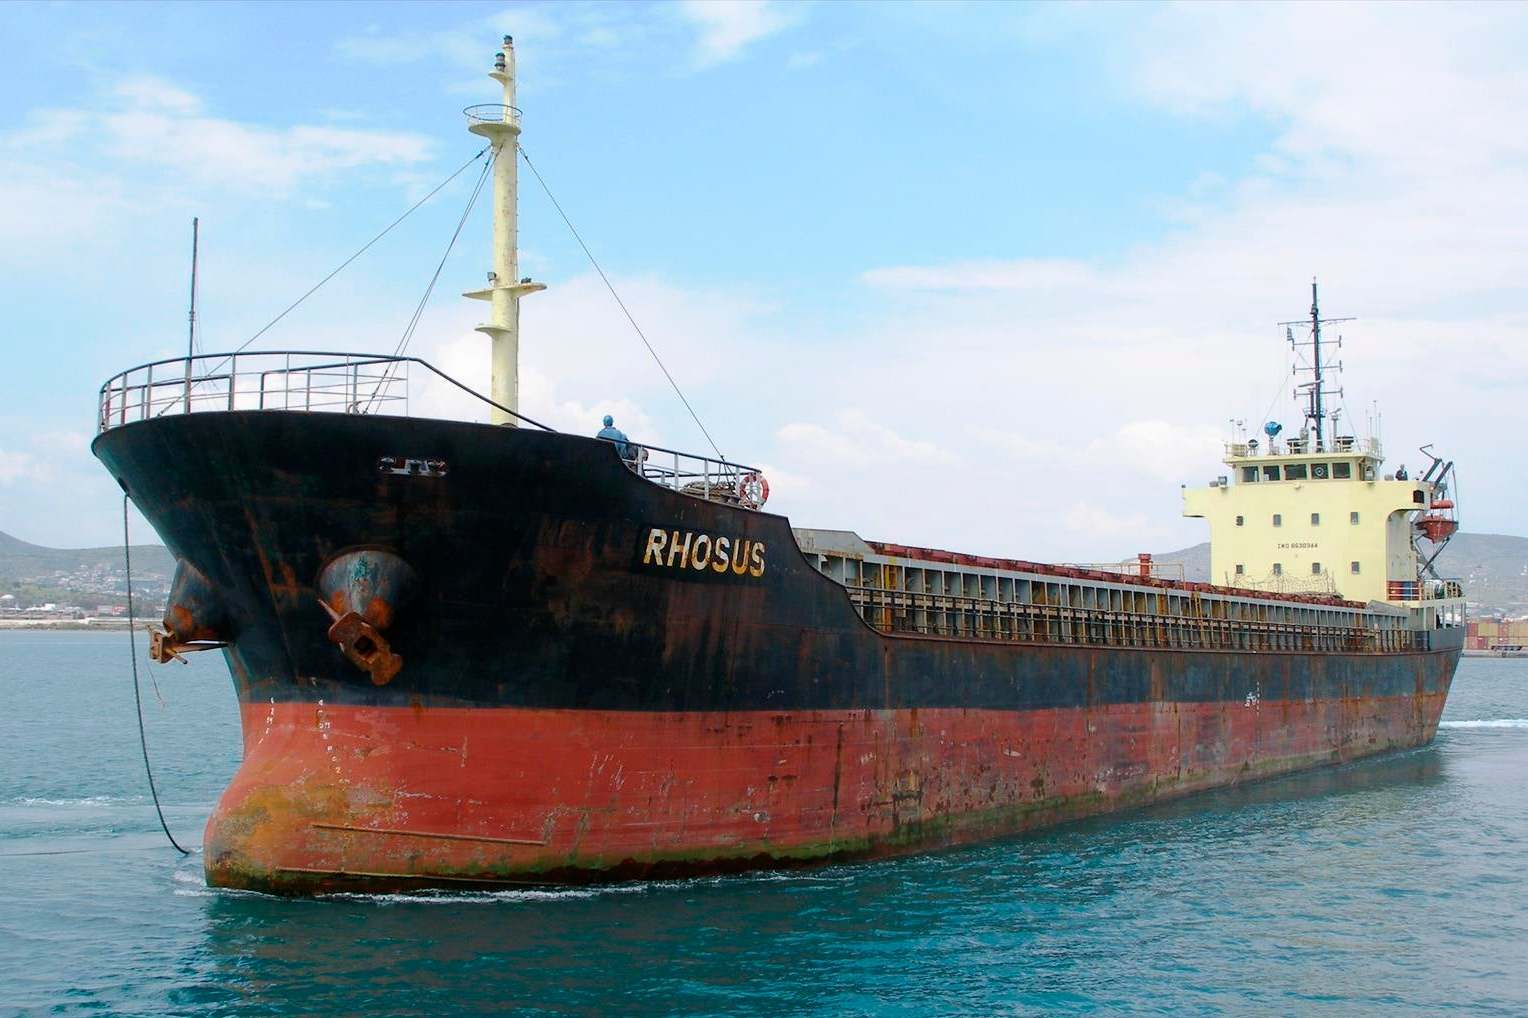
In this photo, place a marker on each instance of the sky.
(996, 278)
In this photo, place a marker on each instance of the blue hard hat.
(609, 421)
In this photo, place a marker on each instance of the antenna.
(191, 316)
(1315, 390)
(191, 329)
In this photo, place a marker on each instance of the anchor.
(362, 590)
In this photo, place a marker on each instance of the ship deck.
(921, 592)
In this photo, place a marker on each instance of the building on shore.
(1496, 634)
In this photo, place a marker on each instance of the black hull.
(533, 592)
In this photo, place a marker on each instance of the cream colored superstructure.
(505, 288)
(1293, 520)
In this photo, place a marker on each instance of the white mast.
(501, 126)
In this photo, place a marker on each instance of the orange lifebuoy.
(753, 490)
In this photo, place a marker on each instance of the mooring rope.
(132, 640)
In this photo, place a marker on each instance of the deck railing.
(1343, 445)
(974, 618)
(358, 383)
(714, 480)
(321, 381)
(1156, 570)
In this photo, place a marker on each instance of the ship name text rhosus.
(686, 549)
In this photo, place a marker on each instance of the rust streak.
(425, 834)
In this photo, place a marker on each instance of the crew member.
(623, 446)
(1401, 474)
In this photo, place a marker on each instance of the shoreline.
(64, 625)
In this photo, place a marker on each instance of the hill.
(1492, 567)
(36, 574)
(21, 560)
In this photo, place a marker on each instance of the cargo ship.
(473, 654)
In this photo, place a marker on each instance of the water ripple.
(1390, 886)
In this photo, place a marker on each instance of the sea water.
(1390, 886)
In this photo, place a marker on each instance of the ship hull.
(580, 701)
(386, 799)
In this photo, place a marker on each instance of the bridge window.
(1353, 519)
(1240, 520)
(1319, 471)
(1278, 569)
(1270, 473)
(1249, 474)
(1353, 568)
(1418, 497)
(1294, 472)
(1278, 519)
(1315, 568)
(1342, 471)
(1315, 519)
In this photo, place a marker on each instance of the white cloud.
(54, 208)
(555, 42)
(1023, 274)
(60, 443)
(74, 176)
(147, 92)
(1155, 449)
(1164, 450)
(552, 42)
(1396, 173)
(1107, 528)
(15, 466)
(52, 492)
(727, 27)
(580, 359)
(780, 479)
(1424, 75)
(856, 439)
(246, 156)
(471, 45)
(1024, 448)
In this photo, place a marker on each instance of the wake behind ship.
(476, 654)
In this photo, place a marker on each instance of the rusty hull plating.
(482, 675)
(195, 618)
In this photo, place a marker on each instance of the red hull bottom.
(332, 798)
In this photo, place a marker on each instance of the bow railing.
(307, 380)
(360, 383)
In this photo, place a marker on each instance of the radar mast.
(1315, 391)
(500, 124)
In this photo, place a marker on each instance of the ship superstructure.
(1318, 513)
(472, 654)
